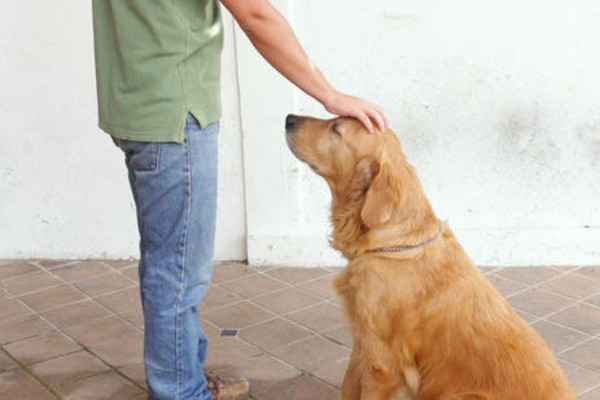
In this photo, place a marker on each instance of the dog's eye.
(335, 129)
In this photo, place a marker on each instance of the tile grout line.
(547, 291)
(588, 390)
(80, 344)
(83, 346)
(88, 297)
(25, 368)
(321, 300)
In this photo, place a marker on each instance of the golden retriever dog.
(426, 324)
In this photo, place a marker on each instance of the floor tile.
(341, 335)
(135, 372)
(322, 287)
(590, 272)
(292, 343)
(238, 316)
(6, 362)
(286, 301)
(216, 297)
(29, 283)
(101, 330)
(43, 395)
(123, 300)
(81, 270)
(75, 314)
(595, 300)
(320, 317)
(16, 384)
(572, 285)
(538, 302)
(263, 369)
(506, 286)
(528, 317)
(592, 394)
(131, 272)
(13, 308)
(559, 337)
(583, 317)
(582, 379)
(333, 371)
(587, 355)
(53, 264)
(312, 354)
(122, 351)
(300, 388)
(121, 264)
(135, 317)
(227, 271)
(104, 284)
(57, 296)
(229, 351)
(21, 328)
(274, 333)
(211, 330)
(528, 275)
(103, 386)
(16, 268)
(42, 347)
(69, 368)
(254, 285)
(298, 276)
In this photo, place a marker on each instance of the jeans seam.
(183, 260)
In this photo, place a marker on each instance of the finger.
(386, 121)
(366, 121)
(377, 116)
(380, 122)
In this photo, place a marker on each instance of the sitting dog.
(426, 324)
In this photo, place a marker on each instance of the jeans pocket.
(140, 156)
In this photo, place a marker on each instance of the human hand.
(370, 115)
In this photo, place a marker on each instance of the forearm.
(262, 22)
(273, 37)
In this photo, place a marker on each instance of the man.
(158, 73)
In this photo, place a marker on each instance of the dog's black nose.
(291, 122)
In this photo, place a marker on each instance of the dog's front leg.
(351, 387)
(376, 386)
(378, 381)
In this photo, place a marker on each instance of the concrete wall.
(497, 104)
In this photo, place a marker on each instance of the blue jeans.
(174, 186)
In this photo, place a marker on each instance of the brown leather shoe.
(224, 387)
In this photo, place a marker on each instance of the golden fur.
(426, 323)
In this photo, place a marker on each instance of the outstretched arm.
(273, 37)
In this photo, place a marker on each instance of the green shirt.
(157, 61)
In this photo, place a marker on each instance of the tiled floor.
(72, 330)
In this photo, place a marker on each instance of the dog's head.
(369, 177)
(350, 160)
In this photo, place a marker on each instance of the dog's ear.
(379, 202)
(364, 172)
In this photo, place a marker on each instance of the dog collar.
(424, 243)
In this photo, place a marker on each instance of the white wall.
(498, 107)
(497, 104)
